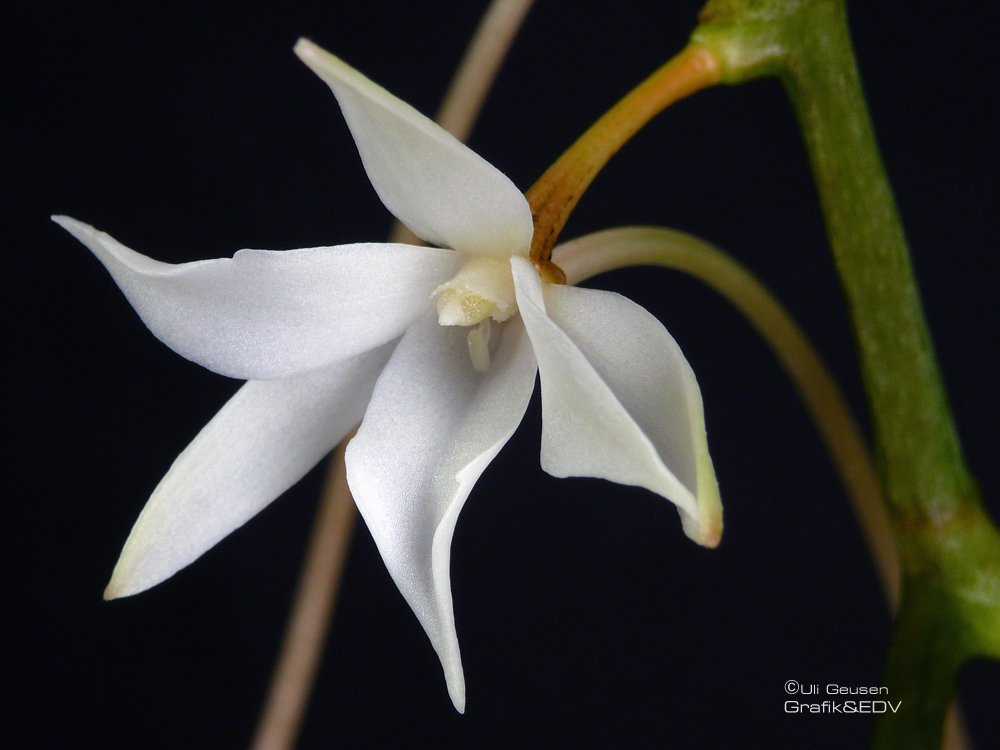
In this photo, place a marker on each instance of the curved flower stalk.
(436, 348)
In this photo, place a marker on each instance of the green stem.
(950, 550)
(910, 414)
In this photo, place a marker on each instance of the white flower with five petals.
(433, 349)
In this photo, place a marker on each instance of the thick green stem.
(950, 550)
(910, 414)
(810, 49)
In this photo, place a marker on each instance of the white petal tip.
(705, 528)
(128, 579)
(709, 533)
(66, 222)
(113, 591)
(455, 679)
(305, 48)
(118, 588)
(81, 231)
(709, 527)
(336, 73)
(458, 700)
(319, 60)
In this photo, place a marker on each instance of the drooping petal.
(438, 187)
(269, 314)
(432, 427)
(260, 444)
(619, 400)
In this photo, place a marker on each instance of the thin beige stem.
(480, 66)
(322, 570)
(315, 601)
(631, 246)
(956, 735)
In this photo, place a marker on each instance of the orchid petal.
(260, 444)
(432, 427)
(442, 190)
(619, 400)
(269, 314)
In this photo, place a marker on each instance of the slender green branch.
(632, 246)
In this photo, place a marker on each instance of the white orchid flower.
(436, 348)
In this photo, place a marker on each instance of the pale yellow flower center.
(481, 291)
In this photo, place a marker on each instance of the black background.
(585, 617)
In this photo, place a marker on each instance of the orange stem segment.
(554, 196)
